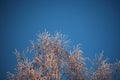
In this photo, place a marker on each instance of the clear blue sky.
(94, 24)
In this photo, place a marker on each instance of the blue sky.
(94, 24)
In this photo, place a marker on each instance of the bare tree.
(51, 60)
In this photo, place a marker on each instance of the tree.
(51, 60)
